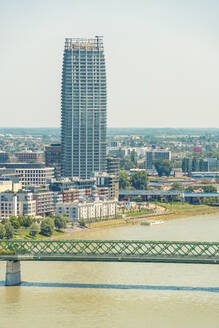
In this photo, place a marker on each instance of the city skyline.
(162, 60)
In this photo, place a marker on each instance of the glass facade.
(83, 105)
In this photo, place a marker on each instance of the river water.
(111, 295)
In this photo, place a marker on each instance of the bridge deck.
(110, 251)
(142, 259)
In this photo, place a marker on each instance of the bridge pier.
(13, 273)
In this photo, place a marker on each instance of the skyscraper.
(83, 105)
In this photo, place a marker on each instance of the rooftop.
(85, 44)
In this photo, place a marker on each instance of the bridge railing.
(125, 248)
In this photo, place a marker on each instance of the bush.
(82, 223)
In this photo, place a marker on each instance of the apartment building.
(87, 210)
(17, 204)
(44, 202)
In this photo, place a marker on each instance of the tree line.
(8, 227)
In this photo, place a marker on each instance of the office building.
(151, 156)
(83, 107)
(29, 156)
(35, 177)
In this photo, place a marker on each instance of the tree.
(26, 221)
(34, 229)
(209, 188)
(9, 230)
(191, 188)
(139, 180)
(126, 163)
(163, 167)
(124, 180)
(177, 186)
(14, 222)
(47, 227)
(60, 221)
(2, 231)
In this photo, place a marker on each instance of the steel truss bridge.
(110, 250)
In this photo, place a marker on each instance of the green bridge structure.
(15, 251)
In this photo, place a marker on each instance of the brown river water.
(117, 295)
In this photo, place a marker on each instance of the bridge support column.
(13, 273)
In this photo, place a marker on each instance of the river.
(117, 295)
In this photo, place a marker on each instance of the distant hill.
(31, 131)
(116, 131)
(162, 131)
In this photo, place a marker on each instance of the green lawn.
(25, 235)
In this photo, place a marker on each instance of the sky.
(162, 59)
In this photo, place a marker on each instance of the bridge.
(14, 251)
(168, 194)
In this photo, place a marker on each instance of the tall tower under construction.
(83, 108)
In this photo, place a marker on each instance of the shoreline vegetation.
(165, 212)
(173, 211)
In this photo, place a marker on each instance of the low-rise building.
(87, 210)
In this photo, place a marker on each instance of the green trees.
(9, 230)
(60, 221)
(139, 180)
(2, 231)
(163, 167)
(47, 227)
(130, 161)
(14, 222)
(126, 163)
(209, 188)
(177, 186)
(124, 181)
(26, 221)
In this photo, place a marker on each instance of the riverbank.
(173, 212)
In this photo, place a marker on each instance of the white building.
(82, 210)
(17, 204)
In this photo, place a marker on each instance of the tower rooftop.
(83, 43)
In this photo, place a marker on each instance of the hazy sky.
(162, 59)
